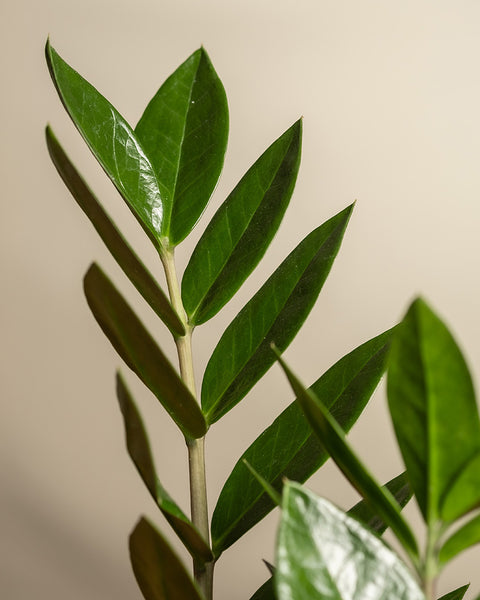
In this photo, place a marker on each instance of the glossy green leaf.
(140, 352)
(468, 535)
(243, 227)
(117, 245)
(464, 492)
(114, 144)
(289, 448)
(457, 594)
(184, 131)
(265, 592)
(323, 553)
(274, 314)
(400, 489)
(159, 573)
(139, 451)
(333, 438)
(275, 497)
(433, 409)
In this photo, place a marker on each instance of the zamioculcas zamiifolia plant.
(166, 169)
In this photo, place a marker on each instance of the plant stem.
(203, 574)
(430, 567)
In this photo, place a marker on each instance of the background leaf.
(140, 352)
(158, 571)
(274, 314)
(289, 448)
(119, 248)
(333, 438)
(139, 451)
(243, 227)
(457, 594)
(184, 131)
(433, 408)
(321, 552)
(265, 592)
(114, 145)
(468, 535)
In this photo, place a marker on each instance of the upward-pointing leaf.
(289, 448)
(433, 409)
(184, 131)
(121, 251)
(243, 227)
(114, 144)
(274, 314)
(140, 352)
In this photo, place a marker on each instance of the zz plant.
(166, 169)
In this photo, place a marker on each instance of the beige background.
(390, 94)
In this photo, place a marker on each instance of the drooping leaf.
(117, 245)
(468, 535)
(265, 592)
(243, 227)
(400, 489)
(158, 571)
(457, 594)
(323, 553)
(139, 451)
(433, 409)
(114, 144)
(140, 352)
(333, 438)
(184, 131)
(274, 314)
(289, 448)
(464, 492)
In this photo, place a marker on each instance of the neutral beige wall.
(390, 94)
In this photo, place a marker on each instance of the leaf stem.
(430, 566)
(203, 574)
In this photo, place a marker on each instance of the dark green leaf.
(457, 594)
(464, 492)
(114, 144)
(468, 535)
(323, 553)
(265, 592)
(400, 489)
(159, 573)
(289, 448)
(242, 229)
(275, 497)
(184, 131)
(138, 349)
(333, 438)
(433, 409)
(274, 314)
(121, 251)
(139, 450)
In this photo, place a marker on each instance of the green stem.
(203, 574)
(430, 566)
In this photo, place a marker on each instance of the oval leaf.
(468, 535)
(333, 438)
(242, 229)
(159, 573)
(322, 552)
(289, 448)
(464, 492)
(433, 408)
(138, 349)
(114, 144)
(139, 451)
(184, 131)
(115, 242)
(274, 314)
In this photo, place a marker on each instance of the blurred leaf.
(274, 314)
(138, 349)
(457, 594)
(240, 232)
(463, 494)
(400, 489)
(139, 451)
(433, 409)
(114, 145)
(119, 248)
(333, 438)
(289, 448)
(184, 131)
(468, 535)
(323, 553)
(265, 591)
(158, 571)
